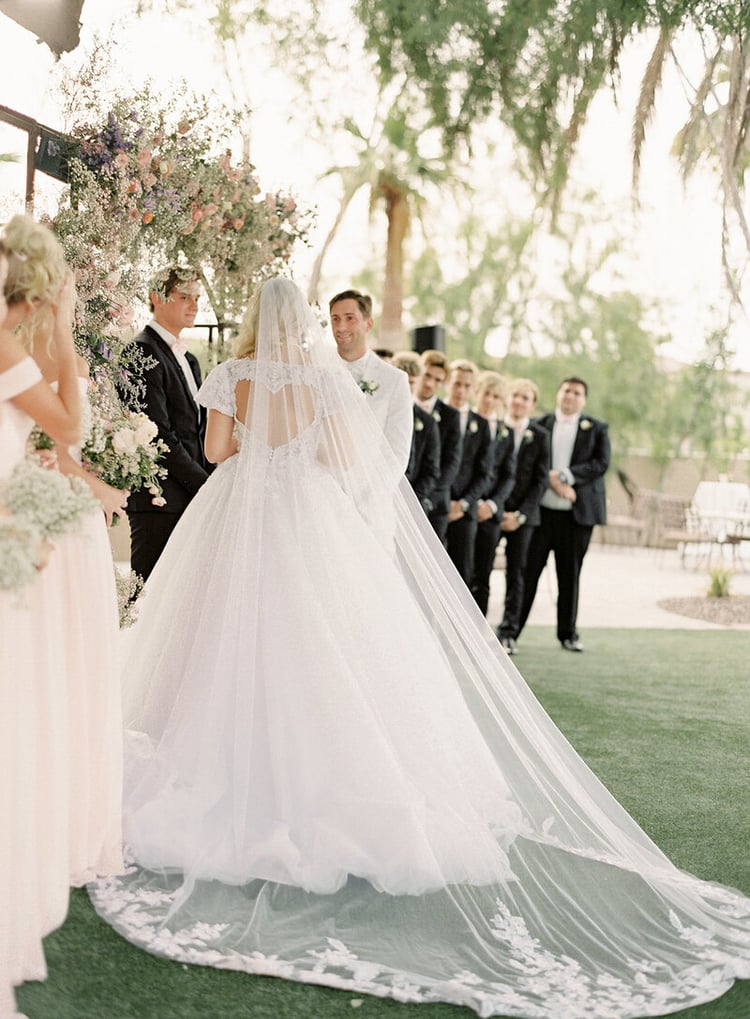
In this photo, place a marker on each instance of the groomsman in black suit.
(521, 516)
(434, 374)
(171, 385)
(475, 470)
(423, 470)
(572, 505)
(490, 404)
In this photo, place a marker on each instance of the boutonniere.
(528, 435)
(503, 433)
(369, 387)
(473, 427)
(586, 424)
(436, 415)
(418, 424)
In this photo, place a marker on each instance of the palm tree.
(717, 128)
(399, 176)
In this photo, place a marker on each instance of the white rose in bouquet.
(124, 441)
(145, 430)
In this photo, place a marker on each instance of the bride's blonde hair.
(246, 339)
(287, 305)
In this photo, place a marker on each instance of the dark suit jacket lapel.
(177, 367)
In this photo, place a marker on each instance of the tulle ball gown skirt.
(314, 790)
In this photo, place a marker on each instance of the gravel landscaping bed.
(733, 610)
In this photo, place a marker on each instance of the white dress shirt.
(178, 349)
(518, 428)
(564, 433)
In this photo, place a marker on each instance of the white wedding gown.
(333, 772)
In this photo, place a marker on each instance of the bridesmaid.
(86, 561)
(34, 739)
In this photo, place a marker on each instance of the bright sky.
(677, 231)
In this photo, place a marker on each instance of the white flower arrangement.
(46, 500)
(368, 387)
(585, 424)
(125, 452)
(503, 433)
(418, 425)
(436, 416)
(528, 435)
(129, 586)
(473, 427)
(20, 543)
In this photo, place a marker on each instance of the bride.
(333, 772)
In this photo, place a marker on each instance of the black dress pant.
(516, 557)
(438, 516)
(461, 536)
(149, 533)
(559, 533)
(485, 545)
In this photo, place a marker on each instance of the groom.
(171, 385)
(386, 387)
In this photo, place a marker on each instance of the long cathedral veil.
(335, 774)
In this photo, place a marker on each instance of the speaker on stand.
(428, 338)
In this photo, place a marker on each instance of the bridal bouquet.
(46, 500)
(125, 452)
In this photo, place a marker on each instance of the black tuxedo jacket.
(532, 474)
(181, 423)
(423, 471)
(503, 469)
(475, 471)
(449, 426)
(589, 463)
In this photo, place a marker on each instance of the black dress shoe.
(508, 645)
(571, 644)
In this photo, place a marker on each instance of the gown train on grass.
(333, 772)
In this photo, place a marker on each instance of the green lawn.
(662, 716)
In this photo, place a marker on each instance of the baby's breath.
(45, 499)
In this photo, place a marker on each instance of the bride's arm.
(221, 442)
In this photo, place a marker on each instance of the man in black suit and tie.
(434, 373)
(475, 470)
(490, 404)
(171, 385)
(521, 516)
(571, 506)
(423, 470)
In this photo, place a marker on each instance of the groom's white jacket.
(391, 402)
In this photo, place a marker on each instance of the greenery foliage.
(720, 579)
(538, 63)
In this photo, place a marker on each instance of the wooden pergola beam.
(34, 131)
